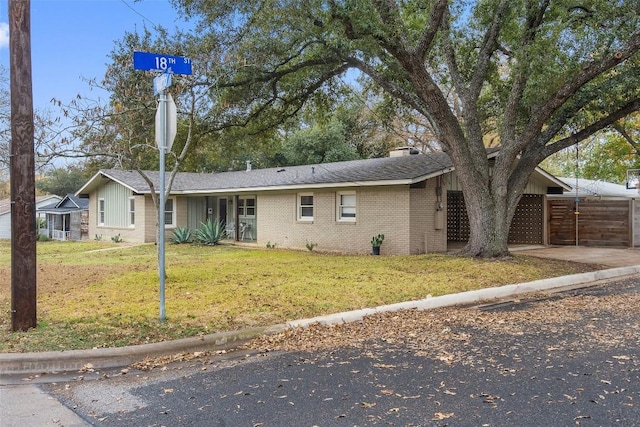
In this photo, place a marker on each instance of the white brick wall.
(405, 216)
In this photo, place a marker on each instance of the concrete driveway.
(608, 257)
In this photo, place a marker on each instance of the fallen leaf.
(442, 415)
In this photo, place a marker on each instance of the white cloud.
(4, 35)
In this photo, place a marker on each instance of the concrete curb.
(74, 360)
(103, 358)
(471, 297)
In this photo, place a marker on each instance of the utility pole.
(23, 218)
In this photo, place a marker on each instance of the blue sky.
(71, 39)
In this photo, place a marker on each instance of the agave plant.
(210, 232)
(182, 235)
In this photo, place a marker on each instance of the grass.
(99, 294)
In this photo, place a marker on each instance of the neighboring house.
(5, 212)
(607, 214)
(413, 199)
(67, 219)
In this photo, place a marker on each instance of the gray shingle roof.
(5, 204)
(67, 204)
(406, 169)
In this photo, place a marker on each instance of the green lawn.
(97, 294)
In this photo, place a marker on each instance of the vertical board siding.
(5, 225)
(116, 208)
(533, 185)
(600, 222)
(635, 213)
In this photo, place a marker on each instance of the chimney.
(403, 151)
(248, 165)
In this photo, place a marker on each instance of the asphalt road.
(569, 359)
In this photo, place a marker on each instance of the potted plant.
(376, 241)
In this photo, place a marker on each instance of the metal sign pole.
(166, 123)
(161, 211)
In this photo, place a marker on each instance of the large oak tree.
(538, 76)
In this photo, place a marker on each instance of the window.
(347, 206)
(169, 211)
(241, 207)
(247, 208)
(251, 207)
(100, 211)
(132, 211)
(305, 207)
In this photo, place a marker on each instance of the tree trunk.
(489, 226)
(489, 209)
(491, 206)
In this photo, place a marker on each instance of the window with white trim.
(346, 204)
(250, 205)
(100, 211)
(305, 207)
(132, 211)
(169, 212)
(247, 207)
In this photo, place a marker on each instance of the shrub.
(311, 245)
(43, 238)
(41, 222)
(98, 237)
(182, 235)
(117, 239)
(210, 232)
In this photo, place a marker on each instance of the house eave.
(95, 182)
(290, 187)
(553, 179)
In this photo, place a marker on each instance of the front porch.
(59, 226)
(237, 212)
(66, 220)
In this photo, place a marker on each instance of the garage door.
(600, 223)
(526, 227)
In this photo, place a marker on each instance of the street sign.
(166, 126)
(161, 82)
(163, 63)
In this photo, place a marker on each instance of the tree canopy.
(63, 181)
(535, 76)
(607, 156)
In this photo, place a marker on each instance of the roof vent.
(248, 165)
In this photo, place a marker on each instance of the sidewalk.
(28, 405)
